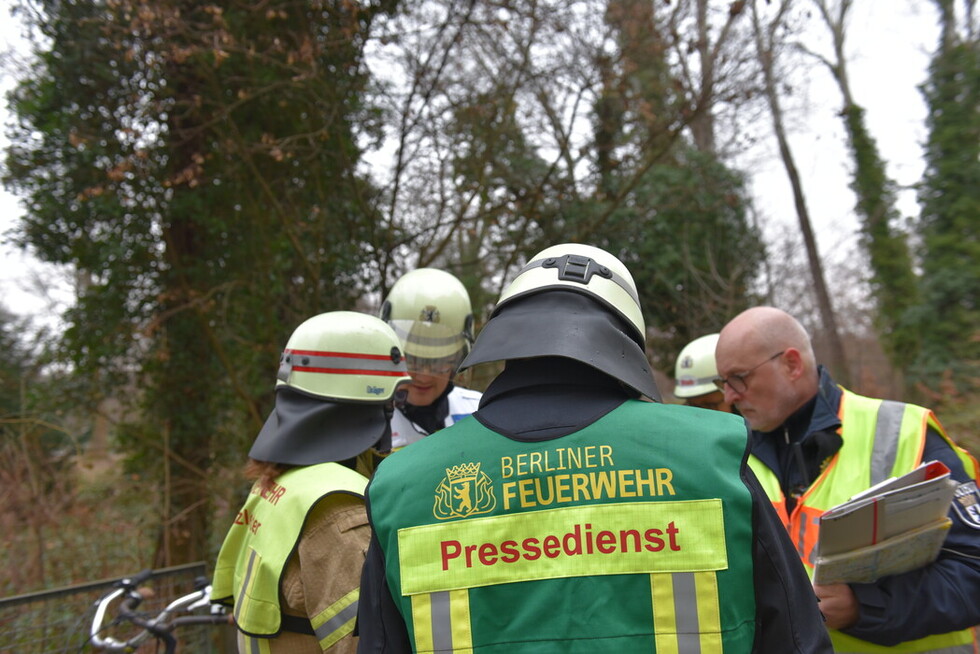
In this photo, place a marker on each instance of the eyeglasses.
(437, 367)
(737, 381)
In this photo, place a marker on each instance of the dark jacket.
(936, 599)
(541, 399)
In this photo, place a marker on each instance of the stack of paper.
(896, 526)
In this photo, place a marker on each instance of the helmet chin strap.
(384, 443)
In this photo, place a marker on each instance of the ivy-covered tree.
(949, 229)
(686, 238)
(198, 165)
(893, 281)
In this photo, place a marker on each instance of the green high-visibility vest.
(633, 534)
(253, 557)
(881, 439)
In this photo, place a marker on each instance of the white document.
(896, 526)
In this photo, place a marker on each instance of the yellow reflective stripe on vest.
(686, 616)
(245, 593)
(686, 613)
(337, 620)
(442, 622)
(252, 645)
(956, 642)
(580, 541)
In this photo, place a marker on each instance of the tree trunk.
(892, 279)
(837, 361)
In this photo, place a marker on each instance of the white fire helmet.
(557, 324)
(581, 268)
(345, 356)
(695, 370)
(430, 312)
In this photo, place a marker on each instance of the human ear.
(793, 361)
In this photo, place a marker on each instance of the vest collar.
(431, 417)
(796, 450)
(547, 397)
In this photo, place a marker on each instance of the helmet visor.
(442, 367)
(431, 342)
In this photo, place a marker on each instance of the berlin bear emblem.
(464, 491)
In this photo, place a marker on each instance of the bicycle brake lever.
(135, 580)
(204, 601)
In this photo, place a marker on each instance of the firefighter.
(814, 445)
(290, 563)
(573, 511)
(695, 373)
(430, 311)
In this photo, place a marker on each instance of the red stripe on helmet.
(344, 355)
(350, 371)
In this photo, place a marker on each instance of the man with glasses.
(815, 444)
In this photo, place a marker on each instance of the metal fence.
(56, 621)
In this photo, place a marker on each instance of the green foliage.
(685, 237)
(37, 399)
(14, 363)
(677, 216)
(76, 163)
(893, 282)
(949, 314)
(197, 164)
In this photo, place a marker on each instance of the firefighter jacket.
(252, 562)
(462, 402)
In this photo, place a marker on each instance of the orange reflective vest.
(882, 439)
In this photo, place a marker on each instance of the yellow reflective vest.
(266, 531)
(881, 439)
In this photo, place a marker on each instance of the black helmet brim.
(302, 430)
(566, 324)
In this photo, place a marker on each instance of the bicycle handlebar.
(159, 626)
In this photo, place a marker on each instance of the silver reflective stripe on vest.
(442, 625)
(337, 622)
(686, 613)
(240, 600)
(805, 522)
(887, 428)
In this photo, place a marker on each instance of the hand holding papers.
(893, 527)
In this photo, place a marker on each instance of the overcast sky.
(889, 42)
